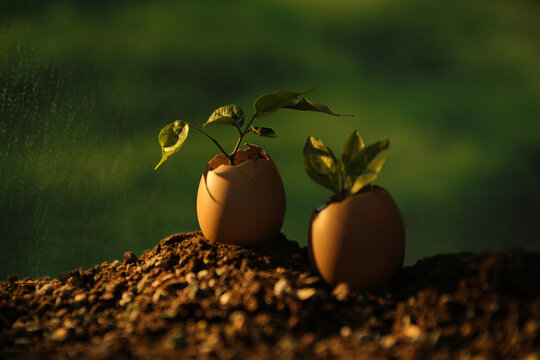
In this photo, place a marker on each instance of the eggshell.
(359, 241)
(242, 204)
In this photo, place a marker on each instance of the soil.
(189, 298)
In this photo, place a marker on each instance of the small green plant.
(359, 164)
(173, 136)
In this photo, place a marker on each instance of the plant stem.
(242, 134)
(215, 142)
(342, 186)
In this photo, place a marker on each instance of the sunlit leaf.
(340, 166)
(228, 115)
(307, 105)
(268, 104)
(351, 150)
(171, 139)
(321, 164)
(263, 131)
(368, 165)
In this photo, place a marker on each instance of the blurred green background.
(86, 86)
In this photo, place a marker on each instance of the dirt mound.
(188, 297)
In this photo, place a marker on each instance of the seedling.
(173, 136)
(356, 237)
(359, 164)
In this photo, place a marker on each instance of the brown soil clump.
(189, 298)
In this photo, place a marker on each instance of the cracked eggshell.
(359, 241)
(242, 204)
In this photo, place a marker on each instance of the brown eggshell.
(242, 204)
(359, 241)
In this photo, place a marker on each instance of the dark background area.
(86, 86)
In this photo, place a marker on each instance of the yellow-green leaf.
(268, 104)
(228, 115)
(263, 131)
(307, 105)
(351, 150)
(368, 165)
(171, 139)
(320, 164)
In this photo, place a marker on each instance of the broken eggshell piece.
(242, 204)
(359, 240)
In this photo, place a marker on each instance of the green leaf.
(352, 148)
(368, 165)
(268, 104)
(228, 115)
(307, 105)
(171, 139)
(321, 164)
(291, 95)
(263, 131)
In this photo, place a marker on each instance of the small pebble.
(388, 341)
(306, 293)
(345, 332)
(221, 271)
(225, 298)
(238, 320)
(191, 278)
(107, 297)
(79, 298)
(45, 289)
(281, 287)
(341, 291)
(142, 283)
(414, 332)
(60, 334)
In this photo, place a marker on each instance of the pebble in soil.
(189, 297)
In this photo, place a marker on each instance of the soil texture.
(190, 298)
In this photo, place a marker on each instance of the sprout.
(359, 164)
(173, 136)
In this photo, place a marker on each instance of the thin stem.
(214, 141)
(242, 134)
(237, 145)
(239, 130)
(246, 130)
(235, 149)
(343, 180)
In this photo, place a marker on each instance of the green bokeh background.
(85, 87)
